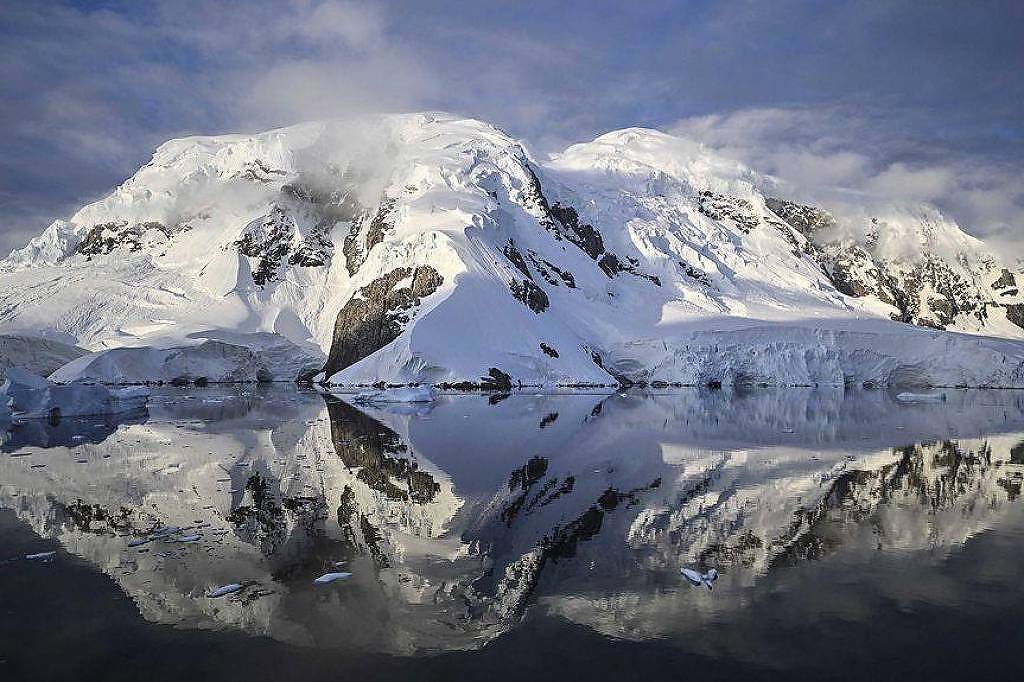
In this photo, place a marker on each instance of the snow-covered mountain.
(430, 248)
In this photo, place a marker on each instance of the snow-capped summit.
(433, 248)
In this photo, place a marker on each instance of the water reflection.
(455, 519)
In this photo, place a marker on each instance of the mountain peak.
(429, 247)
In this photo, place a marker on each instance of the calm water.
(521, 537)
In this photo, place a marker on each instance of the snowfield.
(431, 249)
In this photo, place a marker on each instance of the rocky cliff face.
(942, 280)
(428, 248)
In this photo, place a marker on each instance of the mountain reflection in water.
(461, 519)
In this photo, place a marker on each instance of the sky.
(907, 100)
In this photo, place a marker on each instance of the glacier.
(431, 249)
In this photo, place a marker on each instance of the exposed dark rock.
(96, 519)
(267, 240)
(257, 171)
(544, 268)
(379, 455)
(548, 419)
(720, 207)
(564, 541)
(563, 222)
(356, 245)
(351, 248)
(103, 238)
(530, 295)
(581, 234)
(266, 520)
(741, 552)
(807, 219)
(496, 381)
(523, 479)
(527, 475)
(548, 350)
(610, 264)
(565, 275)
(376, 315)
(358, 532)
(1006, 279)
(533, 195)
(1015, 314)
(381, 224)
(316, 249)
(516, 258)
(695, 274)
(928, 292)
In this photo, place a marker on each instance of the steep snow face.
(429, 248)
(36, 355)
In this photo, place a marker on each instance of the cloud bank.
(908, 99)
(841, 158)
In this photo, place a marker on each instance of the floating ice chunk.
(921, 397)
(39, 556)
(29, 396)
(223, 590)
(188, 538)
(696, 578)
(407, 394)
(693, 576)
(331, 577)
(139, 541)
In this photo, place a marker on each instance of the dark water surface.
(518, 537)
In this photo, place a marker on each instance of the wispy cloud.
(89, 89)
(841, 157)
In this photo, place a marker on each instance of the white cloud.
(842, 158)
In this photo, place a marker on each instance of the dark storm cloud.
(917, 100)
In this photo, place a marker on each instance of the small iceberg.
(223, 590)
(921, 397)
(30, 396)
(40, 556)
(696, 578)
(331, 577)
(406, 394)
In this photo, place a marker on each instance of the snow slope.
(431, 248)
